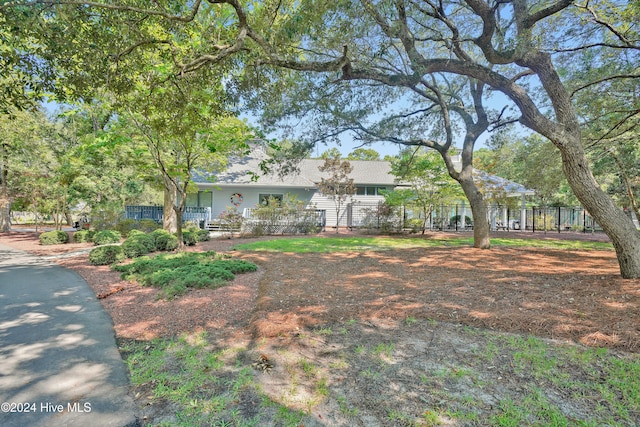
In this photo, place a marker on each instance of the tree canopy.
(350, 60)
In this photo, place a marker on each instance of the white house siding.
(323, 202)
(221, 199)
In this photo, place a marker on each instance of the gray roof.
(307, 175)
(494, 184)
(365, 172)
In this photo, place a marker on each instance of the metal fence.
(191, 213)
(459, 218)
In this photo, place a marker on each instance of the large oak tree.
(512, 46)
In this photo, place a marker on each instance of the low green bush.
(83, 236)
(106, 255)
(138, 244)
(134, 248)
(149, 225)
(125, 226)
(106, 237)
(175, 274)
(189, 238)
(134, 232)
(166, 242)
(55, 237)
(203, 235)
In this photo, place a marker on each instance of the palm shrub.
(106, 237)
(55, 237)
(106, 255)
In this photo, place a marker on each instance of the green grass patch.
(367, 243)
(176, 273)
(202, 385)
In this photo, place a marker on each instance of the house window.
(201, 198)
(370, 191)
(263, 199)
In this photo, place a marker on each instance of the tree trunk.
(615, 223)
(5, 214)
(177, 212)
(169, 220)
(5, 200)
(479, 210)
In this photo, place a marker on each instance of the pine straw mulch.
(563, 294)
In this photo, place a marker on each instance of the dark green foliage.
(203, 235)
(138, 244)
(55, 237)
(134, 232)
(148, 225)
(134, 248)
(106, 255)
(106, 237)
(189, 238)
(83, 236)
(166, 242)
(126, 226)
(145, 226)
(176, 273)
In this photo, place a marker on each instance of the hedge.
(106, 255)
(55, 237)
(106, 237)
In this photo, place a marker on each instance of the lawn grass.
(369, 243)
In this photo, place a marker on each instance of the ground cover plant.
(176, 273)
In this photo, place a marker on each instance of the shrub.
(106, 237)
(203, 235)
(106, 218)
(189, 238)
(166, 242)
(148, 225)
(134, 248)
(157, 233)
(138, 243)
(83, 236)
(106, 255)
(134, 232)
(126, 226)
(55, 237)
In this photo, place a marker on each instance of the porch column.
(523, 214)
(505, 218)
(463, 215)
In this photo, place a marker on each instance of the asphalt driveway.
(59, 364)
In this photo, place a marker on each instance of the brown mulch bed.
(562, 294)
